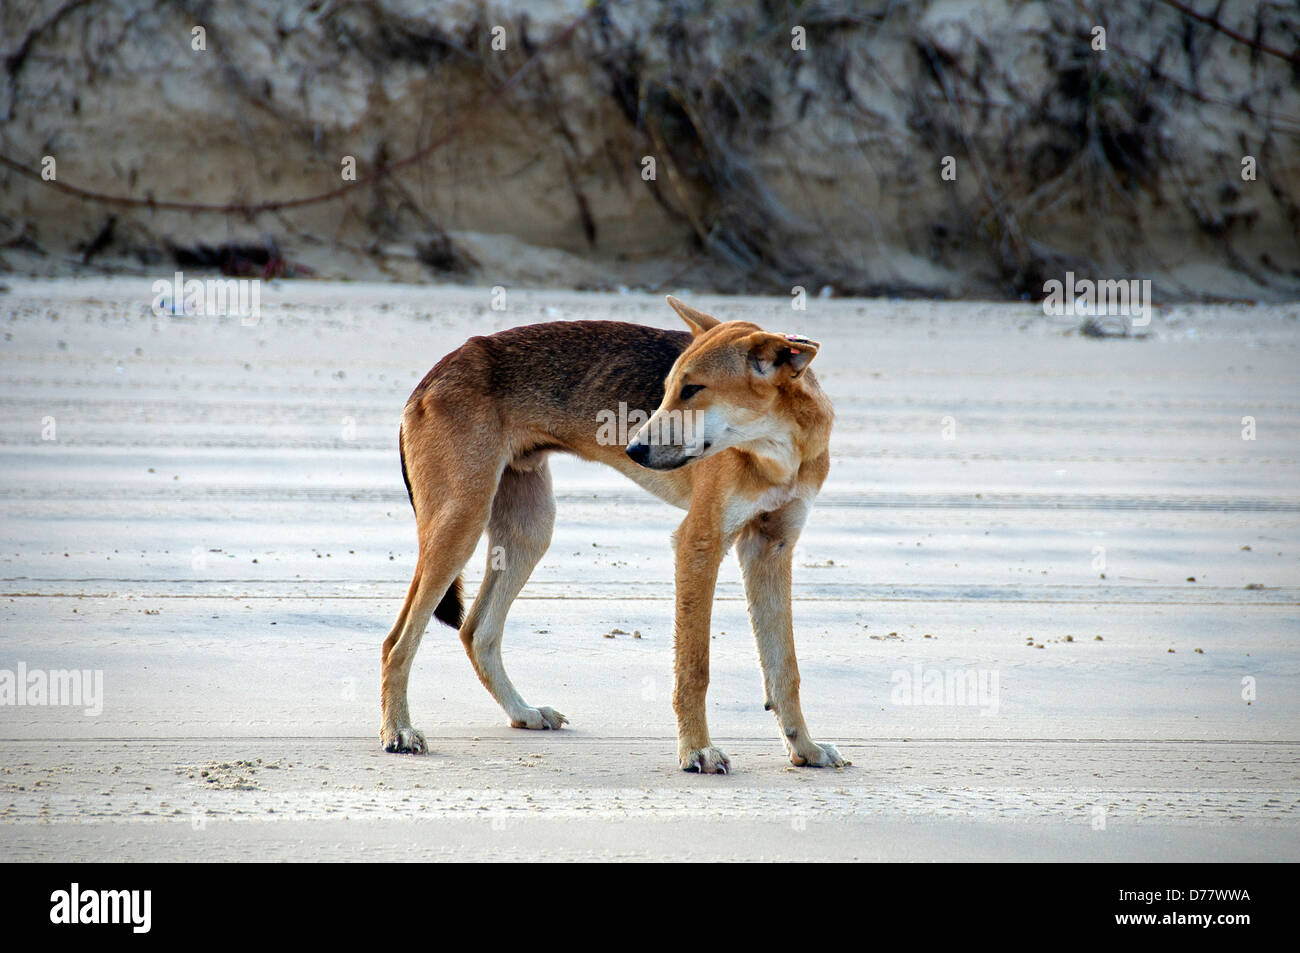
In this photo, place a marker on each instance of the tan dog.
(739, 440)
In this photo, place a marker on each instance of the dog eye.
(690, 390)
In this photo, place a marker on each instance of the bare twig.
(1292, 57)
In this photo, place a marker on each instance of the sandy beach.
(211, 516)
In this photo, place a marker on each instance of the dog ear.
(771, 353)
(698, 321)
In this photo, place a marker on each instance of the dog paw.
(539, 719)
(404, 741)
(818, 756)
(708, 760)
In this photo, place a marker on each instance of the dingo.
(474, 441)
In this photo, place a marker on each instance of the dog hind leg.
(395, 731)
(519, 532)
(449, 530)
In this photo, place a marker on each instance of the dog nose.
(638, 452)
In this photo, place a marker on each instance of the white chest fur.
(742, 509)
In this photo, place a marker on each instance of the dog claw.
(823, 756)
(406, 741)
(708, 760)
(540, 719)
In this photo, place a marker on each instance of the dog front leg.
(699, 548)
(766, 552)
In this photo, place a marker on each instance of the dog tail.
(451, 608)
(406, 477)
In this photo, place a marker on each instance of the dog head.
(731, 387)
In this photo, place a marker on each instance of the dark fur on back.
(551, 374)
(574, 369)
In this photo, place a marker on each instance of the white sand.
(235, 597)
